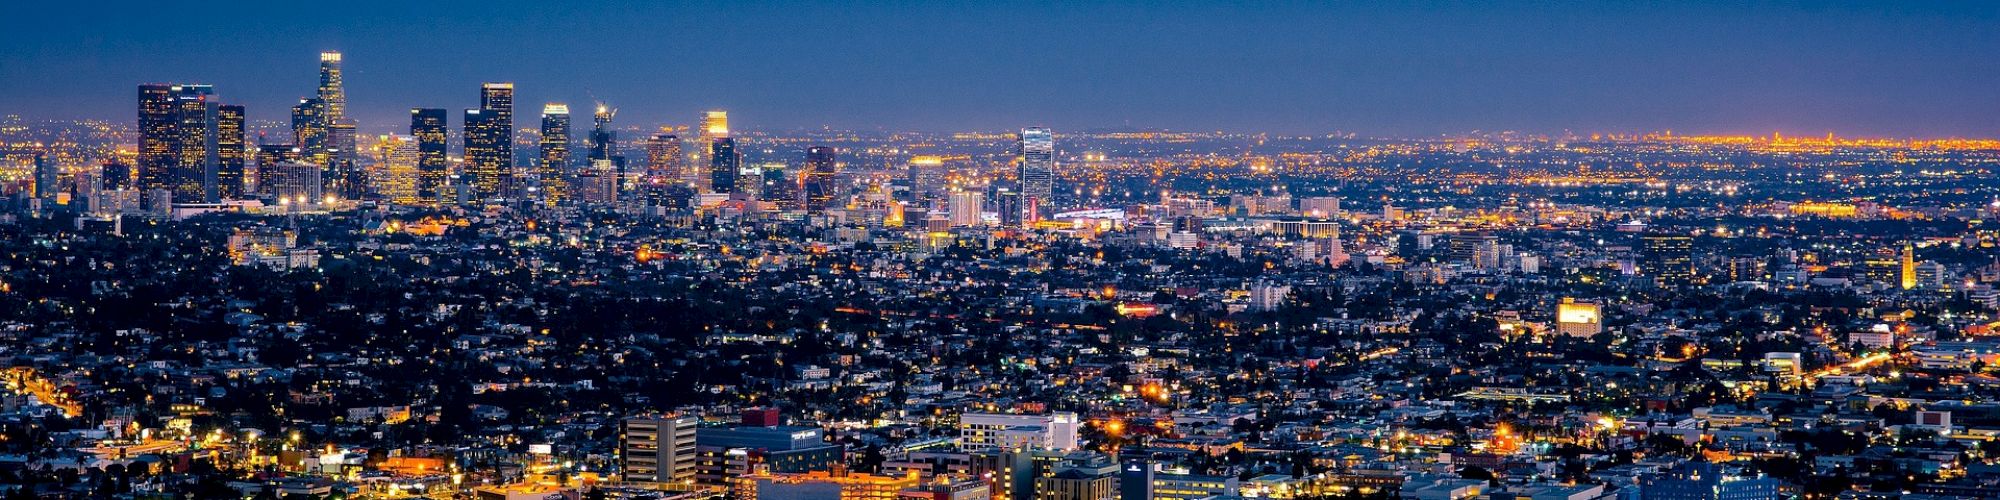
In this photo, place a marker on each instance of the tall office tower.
(1007, 201)
(489, 144)
(398, 178)
(657, 449)
(344, 176)
(156, 136)
(297, 186)
(723, 165)
(553, 172)
(427, 126)
(604, 157)
(663, 169)
(269, 156)
(967, 208)
(194, 143)
(663, 160)
(820, 165)
(1668, 258)
(1037, 175)
(775, 186)
(330, 90)
(925, 176)
(1909, 268)
(714, 125)
(230, 152)
(46, 179)
(602, 139)
(309, 131)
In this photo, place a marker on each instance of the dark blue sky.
(1889, 68)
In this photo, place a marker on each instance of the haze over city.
(1895, 69)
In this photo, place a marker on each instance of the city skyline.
(1855, 69)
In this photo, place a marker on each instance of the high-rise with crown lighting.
(1037, 171)
(489, 144)
(820, 172)
(428, 127)
(331, 91)
(552, 171)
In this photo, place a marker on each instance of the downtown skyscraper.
(489, 142)
(179, 142)
(230, 153)
(428, 126)
(552, 169)
(819, 175)
(331, 90)
(663, 167)
(1037, 172)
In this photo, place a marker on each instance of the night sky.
(1893, 68)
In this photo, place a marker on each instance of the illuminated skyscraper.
(156, 136)
(398, 175)
(663, 167)
(1668, 258)
(193, 173)
(309, 131)
(820, 165)
(269, 156)
(714, 125)
(230, 152)
(967, 208)
(1037, 174)
(553, 171)
(427, 126)
(604, 158)
(775, 185)
(343, 176)
(723, 165)
(331, 91)
(489, 145)
(46, 178)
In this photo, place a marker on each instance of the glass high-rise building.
(820, 171)
(663, 167)
(331, 91)
(157, 122)
(195, 156)
(269, 156)
(428, 126)
(1668, 258)
(552, 173)
(1037, 171)
(343, 176)
(723, 165)
(230, 152)
(489, 144)
(310, 131)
